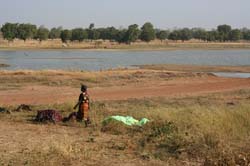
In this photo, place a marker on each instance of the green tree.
(26, 31)
(235, 35)
(162, 35)
(175, 35)
(224, 31)
(92, 26)
(66, 35)
(79, 34)
(199, 33)
(55, 33)
(9, 31)
(185, 34)
(212, 35)
(95, 34)
(42, 33)
(132, 33)
(109, 33)
(121, 36)
(147, 32)
(245, 34)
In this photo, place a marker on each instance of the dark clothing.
(48, 115)
(83, 107)
(72, 116)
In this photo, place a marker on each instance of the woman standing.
(83, 106)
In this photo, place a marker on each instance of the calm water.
(233, 75)
(99, 60)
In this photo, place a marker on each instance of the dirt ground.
(38, 94)
(26, 143)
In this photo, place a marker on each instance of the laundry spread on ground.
(48, 115)
(127, 120)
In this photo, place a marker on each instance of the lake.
(101, 60)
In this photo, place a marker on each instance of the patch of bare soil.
(37, 94)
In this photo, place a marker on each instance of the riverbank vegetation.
(146, 33)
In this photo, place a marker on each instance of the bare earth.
(38, 94)
(26, 143)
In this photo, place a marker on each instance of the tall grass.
(216, 132)
(207, 132)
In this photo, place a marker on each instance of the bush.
(162, 139)
(115, 127)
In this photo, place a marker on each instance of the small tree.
(224, 31)
(132, 33)
(66, 35)
(147, 32)
(235, 35)
(199, 33)
(42, 33)
(9, 31)
(121, 36)
(111, 33)
(185, 34)
(245, 33)
(95, 34)
(174, 35)
(162, 35)
(26, 31)
(55, 33)
(79, 34)
(212, 35)
(91, 26)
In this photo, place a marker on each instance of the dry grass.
(108, 45)
(118, 77)
(197, 68)
(207, 130)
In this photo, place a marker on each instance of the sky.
(164, 14)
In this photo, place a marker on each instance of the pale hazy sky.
(162, 13)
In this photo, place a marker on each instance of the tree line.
(146, 33)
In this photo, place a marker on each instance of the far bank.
(110, 45)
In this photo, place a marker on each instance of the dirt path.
(195, 86)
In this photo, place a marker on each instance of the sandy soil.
(37, 94)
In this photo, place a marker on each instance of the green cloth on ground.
(127, 120)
